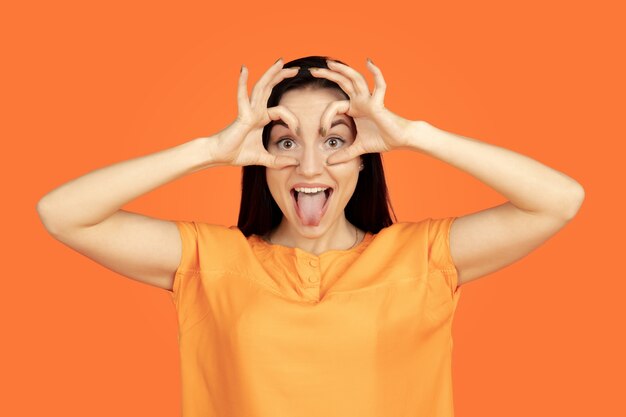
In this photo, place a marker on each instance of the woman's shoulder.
(405, 227)
(427, 230)
(209, 233)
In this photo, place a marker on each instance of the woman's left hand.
(378, 129)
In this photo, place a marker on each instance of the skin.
(541, 200)
(312, 150)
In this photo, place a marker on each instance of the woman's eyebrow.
(335, 123)
(279, 122)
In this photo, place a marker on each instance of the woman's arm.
(541, 201)
(528, 184)
(94, 197)
(85, 215)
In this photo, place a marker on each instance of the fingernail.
(241, 70)
(371, 62)
(313, 69)
(278, 60)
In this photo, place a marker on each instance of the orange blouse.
(271, 331)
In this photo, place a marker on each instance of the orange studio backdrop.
(86, 85)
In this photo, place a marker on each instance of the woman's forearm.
(526, 183)
(93, 197)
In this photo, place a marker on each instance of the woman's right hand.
(241, 142)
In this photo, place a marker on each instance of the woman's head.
(360, 193)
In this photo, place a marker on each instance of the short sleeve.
(189, 238)
(189, 262)
(209, 247)
(205, 248)
(208, 252)
(439, 255)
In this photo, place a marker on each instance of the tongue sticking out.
(310, 207)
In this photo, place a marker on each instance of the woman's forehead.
(308, 92)
(309, 100)
(308, 107)
(338, 120)
(340, 123)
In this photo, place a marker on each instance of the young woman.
(316, 303)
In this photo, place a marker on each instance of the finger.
(344, 82)
(345, 154)
(268, 75)
(284, 73)
(380, 86)
(263, 92)
(359, 82)
(277, 161)
(282, 113)
(332, 109)
(243, 102)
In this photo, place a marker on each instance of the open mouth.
(311, 219)
(327, 191)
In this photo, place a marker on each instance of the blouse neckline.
(265, 245)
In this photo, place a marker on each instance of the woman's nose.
(312, 162)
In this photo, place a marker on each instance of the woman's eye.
(282, 141)
(334, 140)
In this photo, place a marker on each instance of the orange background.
(86, 85)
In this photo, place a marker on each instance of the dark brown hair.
(367, 209)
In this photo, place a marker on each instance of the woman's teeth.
(310, 190)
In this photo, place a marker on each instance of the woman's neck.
(340, 238)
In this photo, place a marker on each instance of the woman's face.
(312, 213)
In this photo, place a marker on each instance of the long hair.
(367, 209)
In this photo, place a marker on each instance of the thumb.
(342, 155)
(284, 161)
